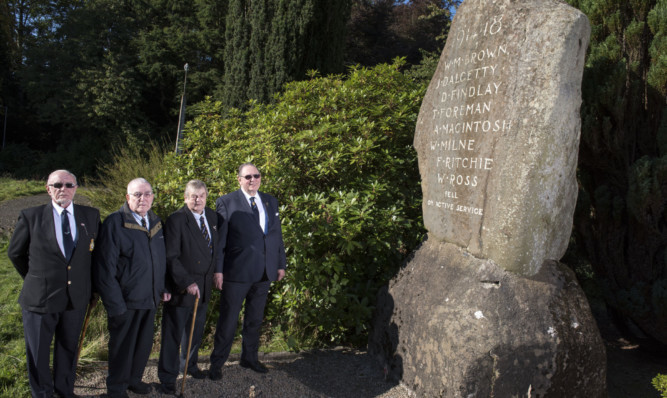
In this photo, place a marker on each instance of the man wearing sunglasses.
(253, 255)
(51, 248)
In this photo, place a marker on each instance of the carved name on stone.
(498, 131)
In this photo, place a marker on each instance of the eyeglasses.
(138, 195)
(59, 185)
(249, 176)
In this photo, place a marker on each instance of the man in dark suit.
(51, 249)
(129, 271)
(191, 236)
(253, 255)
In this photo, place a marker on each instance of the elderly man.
(251, 241)
(51, 248)
(191, 235)
(129, 272)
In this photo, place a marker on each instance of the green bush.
(337, 153)
(660, 384)
(108, 191)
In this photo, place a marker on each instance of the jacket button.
(69, 267)
(69, 282)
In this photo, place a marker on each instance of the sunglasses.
(249, 176)
(58, 185)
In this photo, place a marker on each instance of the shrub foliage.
(337, 153)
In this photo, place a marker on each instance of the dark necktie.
(204, 233)
(255, 210)
(143, 222)
(68, 242)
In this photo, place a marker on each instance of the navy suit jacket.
(49, 281)
(189, 260)
(246, 250)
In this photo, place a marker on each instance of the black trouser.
(176, 325)
(38, 331)
(231, 300)
(130, 343)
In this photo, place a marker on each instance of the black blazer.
(247, 251)
(49, 282)
(189, 259)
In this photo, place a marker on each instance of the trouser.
(39, 330)
(176, 325)
(231, 300)
(130, 343)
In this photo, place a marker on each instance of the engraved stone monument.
(484, 308)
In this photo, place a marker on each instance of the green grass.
(13, 372)
(11, 189)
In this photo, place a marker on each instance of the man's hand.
(166, 296)
(217, 280)
(281, 274)
(193, 290)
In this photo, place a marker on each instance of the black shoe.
(141, 388)
(166, 388)
(215, 374)
(196, 373)
(256, 366)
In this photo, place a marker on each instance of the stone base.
(451, 325)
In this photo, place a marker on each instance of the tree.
(380, 30)
(621, 221)
(270, 43)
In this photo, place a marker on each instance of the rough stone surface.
(452, 325)
(498, 131)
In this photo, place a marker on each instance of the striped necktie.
(204, 232)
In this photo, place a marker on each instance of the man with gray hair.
(129, 271)
(191, 235)
(51, 248)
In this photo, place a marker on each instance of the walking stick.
(187, 357)
(89, 311)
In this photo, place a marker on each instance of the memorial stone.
(484, 308)
(498, 131)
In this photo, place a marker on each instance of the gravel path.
(330, 373)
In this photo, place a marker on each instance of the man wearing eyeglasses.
(129, 274)
(51, 248)
(253, 255)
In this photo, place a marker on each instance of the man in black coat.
(191, 235)
(253, 255)
(51, 249)
(129, 271)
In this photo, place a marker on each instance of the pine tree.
(621, 221)
(237, 54)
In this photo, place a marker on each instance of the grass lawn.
(13, 372)
(11, 189)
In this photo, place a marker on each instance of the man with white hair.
(129, 274)
(51, 248)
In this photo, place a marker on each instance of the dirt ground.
(631, 364)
